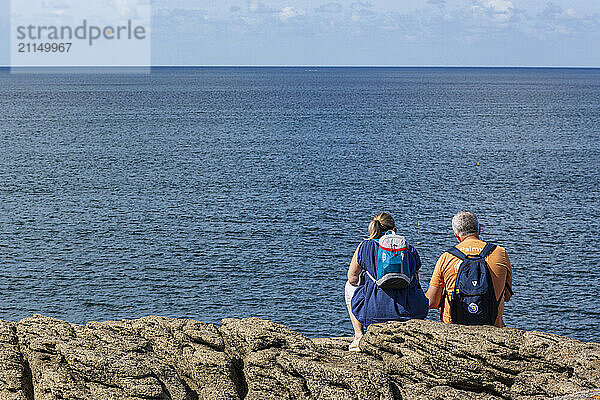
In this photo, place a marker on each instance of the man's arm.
(508, 291)
(355, 269)
(436, 285)
(434, 295)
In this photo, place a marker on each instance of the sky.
(377, 32)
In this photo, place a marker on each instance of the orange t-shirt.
(444, 274)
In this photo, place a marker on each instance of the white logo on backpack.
(474, 283)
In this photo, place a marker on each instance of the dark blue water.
(212, 193)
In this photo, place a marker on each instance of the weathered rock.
(150, 358)
(15, 376)
(593, 394)
(425, 356)
(161, 358)
(279, 363)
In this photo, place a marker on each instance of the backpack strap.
(457, 253)
(487, 250)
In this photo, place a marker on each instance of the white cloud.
(329, 8)
(434, 23)
(364, 8)
(290, 12)
(554, 20)
(258, 7)
(55, 4)
(496, 12)
(130, 8)
(571, 13)
(555, 12)
(499, 6)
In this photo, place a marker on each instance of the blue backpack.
(394, 269)
(473, 300)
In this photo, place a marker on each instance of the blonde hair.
(380, 224)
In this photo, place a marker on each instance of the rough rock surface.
(593, 394)
(162, 358)
(451, 361)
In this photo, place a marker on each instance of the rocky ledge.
(162, 358)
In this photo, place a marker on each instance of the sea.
(218, 192)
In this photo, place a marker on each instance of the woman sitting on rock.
(394, 296)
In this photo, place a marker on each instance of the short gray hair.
(465, 224)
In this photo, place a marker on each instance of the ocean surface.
(208, 193)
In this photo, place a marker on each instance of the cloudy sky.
(376, 32)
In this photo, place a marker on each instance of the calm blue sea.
(232, 192)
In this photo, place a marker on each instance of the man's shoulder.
(444, 258)
(500, 250)
(499, 257)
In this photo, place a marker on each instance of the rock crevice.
(177, 359)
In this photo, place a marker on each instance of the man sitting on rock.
(466, 229)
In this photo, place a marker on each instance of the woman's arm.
(355, 269)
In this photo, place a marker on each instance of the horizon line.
(304, 66)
